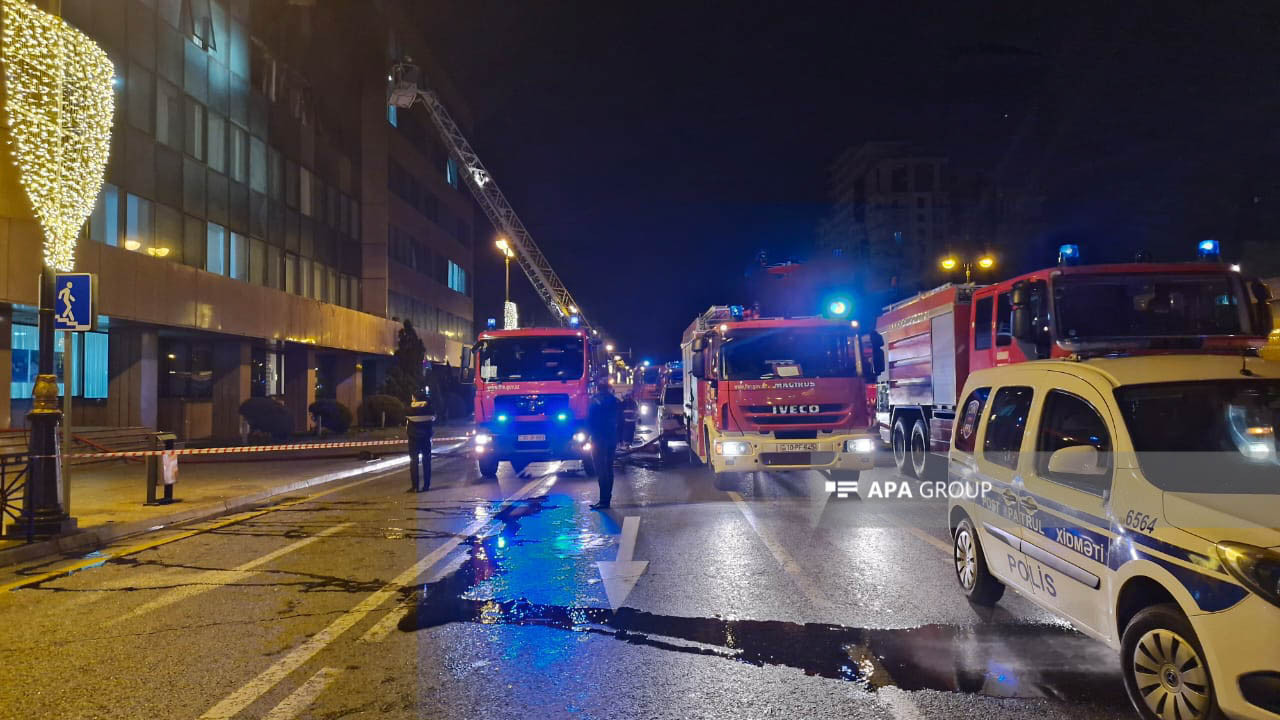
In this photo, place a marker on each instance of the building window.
(257, 262)
(197, 23)
(239, 154)
(451, 172)
(257, 165)
(104, 224)
(304, 191)
(239, 265)
(217, 142)
(457, 278)
(169, 115)
(216, 253)
(267, 378)
(138, 224)
(391, 115)
(88, 362)
(194, 129)
(186, 369)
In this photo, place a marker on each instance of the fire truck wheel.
(488, 466)
(923, 463)
(727, 481)
(694, 460)
(901, 448)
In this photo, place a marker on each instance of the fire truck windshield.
(1148, 305)
(531, 358)
(786, 353)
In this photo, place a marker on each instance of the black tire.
(1164, 667)
(976, 581)
(664, 450)
(900, 440)
(694, 460)
(488, 465)
(727, 481)
(924, 463)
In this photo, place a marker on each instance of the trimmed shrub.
(374, 406)
(265, 415)
(331, 415)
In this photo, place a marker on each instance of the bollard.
(161, 441)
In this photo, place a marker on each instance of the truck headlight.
(483, 439)
(861, 446)
(732, 448)
(644, 409)
(1256, 568)
(579, 437)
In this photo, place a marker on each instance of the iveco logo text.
(794, 409)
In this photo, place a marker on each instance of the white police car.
(1139, 497)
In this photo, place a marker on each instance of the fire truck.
(775, 394)
(533, 387)
(645, 381)
(932, 341)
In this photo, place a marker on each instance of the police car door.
(1065, 492)
(998, 458)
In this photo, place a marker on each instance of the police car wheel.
(488, 466)
(1165, 672)
(977, 582)
(900, 448)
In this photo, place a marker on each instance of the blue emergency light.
(735, 312)
(491, 323)
(838, 307)
(1069, 254)
(562, 416)
(502, 417)
(1208, 250)
(574, 321)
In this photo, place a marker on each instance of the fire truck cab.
(533, 388)
(775, 394)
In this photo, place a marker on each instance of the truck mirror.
(468, 374)
(1022, 323)
(698, 365)
(699, 344)
(1019, 293)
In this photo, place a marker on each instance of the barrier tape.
(250, 448)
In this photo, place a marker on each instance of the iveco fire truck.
(533, 386)
(645, 380)
(932, 341)
(775, 394)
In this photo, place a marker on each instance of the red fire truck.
(775, 394)
(645, 381)
(932, 341)
(533, 386)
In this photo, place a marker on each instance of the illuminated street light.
(507, 254)
(609, 347)
(951, 262)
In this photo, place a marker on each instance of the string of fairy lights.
(58, 105)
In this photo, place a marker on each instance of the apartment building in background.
(266, 222)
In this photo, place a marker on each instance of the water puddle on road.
(494, 584)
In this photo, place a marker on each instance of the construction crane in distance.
(407, 87)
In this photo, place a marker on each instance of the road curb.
(99, 536)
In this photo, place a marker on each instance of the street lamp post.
(951, 262)
(507, 253)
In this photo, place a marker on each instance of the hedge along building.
(264, 222)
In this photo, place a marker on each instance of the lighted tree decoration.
(58, 103)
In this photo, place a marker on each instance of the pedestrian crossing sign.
(73, 301)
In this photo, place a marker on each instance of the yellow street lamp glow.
(986, 262)
(505, 247)
(949, 263)
(59, 101)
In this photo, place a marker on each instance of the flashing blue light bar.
(574, 321)
(502, 417)
(1208, 250)
(838, 308)
(1069, 254)
(491, 324)
(735, 312)
(562, 416)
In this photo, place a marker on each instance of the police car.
(1139, 497)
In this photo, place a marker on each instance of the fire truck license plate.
(531, 438)
(797, 447)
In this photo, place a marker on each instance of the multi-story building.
(266, 221)
(890, 213)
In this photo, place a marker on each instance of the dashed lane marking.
(211, 579)
(269, 678)
(302, 698)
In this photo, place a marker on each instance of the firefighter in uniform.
(420, 419)
(602, 420)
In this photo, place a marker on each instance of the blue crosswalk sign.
(73, 301)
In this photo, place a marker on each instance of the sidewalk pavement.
(107, 499)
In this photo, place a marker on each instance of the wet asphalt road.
(483, 599)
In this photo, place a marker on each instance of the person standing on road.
(602, 420)
(420, 421)
(627, 419)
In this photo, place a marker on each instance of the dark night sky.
(652, 148)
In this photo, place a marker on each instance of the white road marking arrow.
(620, 576)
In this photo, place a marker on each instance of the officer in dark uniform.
(602, 420)
(627, 419)
(420, 420)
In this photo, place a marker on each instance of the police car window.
(970, 413)
(1007, 420)
(982, 324)
(1069, 421)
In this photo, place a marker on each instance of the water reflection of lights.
(482, 512)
